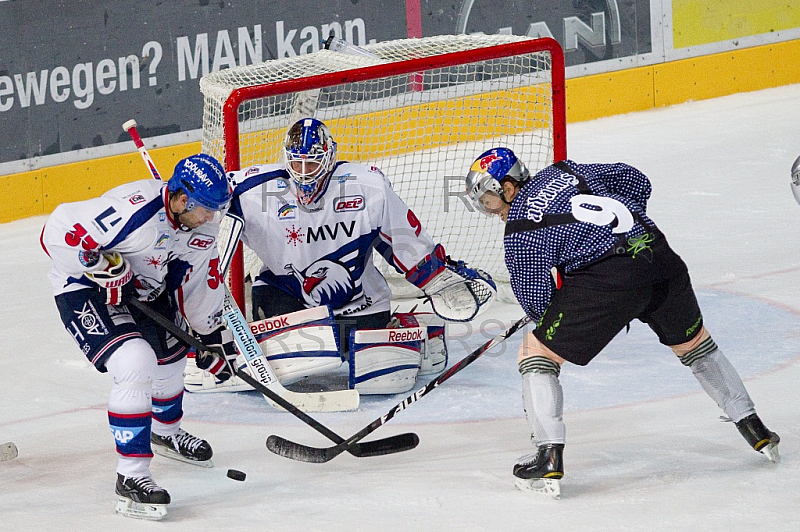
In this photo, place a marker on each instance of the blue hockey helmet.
(487, 172)
(203, 180)
(310, 157)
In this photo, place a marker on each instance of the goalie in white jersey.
(153, 241)
(314, 223)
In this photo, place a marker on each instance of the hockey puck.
(235, 474)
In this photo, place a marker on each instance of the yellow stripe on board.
(436, 123)
(696, 22)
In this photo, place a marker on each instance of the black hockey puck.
(235, 474)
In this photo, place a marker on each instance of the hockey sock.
(132, 367)
(719, 379)
(543, 399)
(168, 398)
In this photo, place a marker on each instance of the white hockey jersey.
(322, 254)
(134, 220)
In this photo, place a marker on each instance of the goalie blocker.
(456, 293)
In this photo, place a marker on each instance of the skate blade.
(544, 486)
(771, 452)
(8, 451)
(175, 455)
(138, 510)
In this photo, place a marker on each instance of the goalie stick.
(334, 401)
(392, 444)
(304, 453)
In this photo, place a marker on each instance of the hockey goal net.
(419, 109)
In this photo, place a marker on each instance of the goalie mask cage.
(421, 110)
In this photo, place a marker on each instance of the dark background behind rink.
(72, 71)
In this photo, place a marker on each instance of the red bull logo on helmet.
(483, 164)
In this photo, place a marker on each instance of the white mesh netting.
(422, 128)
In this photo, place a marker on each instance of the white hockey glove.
(214, 363)
(456, 293)
(113, 276)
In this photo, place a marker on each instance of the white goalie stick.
(333, 401)
(392, 444)
(304, 453)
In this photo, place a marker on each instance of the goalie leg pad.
(299, 344)
(434, 351)
(434, 346)
(385, 361)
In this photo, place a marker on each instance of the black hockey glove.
(214, 363)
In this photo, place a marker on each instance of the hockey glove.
(114, 277)
(219, 365)
(456, 292)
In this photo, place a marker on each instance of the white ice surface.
(645, 449)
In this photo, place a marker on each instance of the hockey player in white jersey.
(314, 222)
(154, 241)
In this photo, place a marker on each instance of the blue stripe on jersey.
(138, 219)
(250, 183)
(255, 180)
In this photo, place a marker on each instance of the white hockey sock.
(167, 392)
(132, 367)
(719, 379)
(543, 399)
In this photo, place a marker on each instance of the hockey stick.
(296, 451)
(334, 401)
(392, 444)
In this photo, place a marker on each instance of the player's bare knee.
(682, 349)
(532, 348)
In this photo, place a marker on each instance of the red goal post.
(419, 109)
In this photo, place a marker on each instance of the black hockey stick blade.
(318, 455)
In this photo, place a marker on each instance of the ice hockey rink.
(646, 449)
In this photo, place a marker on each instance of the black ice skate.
(184, 447)
(759, 437)
(542, 471)
(141, 498)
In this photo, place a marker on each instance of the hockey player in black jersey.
(585, 260)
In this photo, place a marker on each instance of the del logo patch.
(348, 203)
(201, 242)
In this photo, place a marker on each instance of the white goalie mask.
(310, 157)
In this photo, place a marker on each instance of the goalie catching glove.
(456, 293)
(215, 363)
(113, 276)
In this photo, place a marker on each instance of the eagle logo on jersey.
(324, 282)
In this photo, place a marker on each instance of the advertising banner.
(72, 71)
